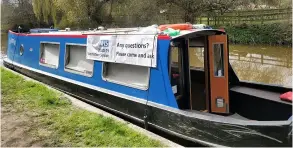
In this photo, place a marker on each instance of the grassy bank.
(51, 120)
(270, 34)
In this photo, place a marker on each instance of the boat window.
(196, 53)
(21, 50)
(174, 56)
(176, 76)
(128, 75)
(196, 58)
(76, 62)
(49, 54)
(218, 50)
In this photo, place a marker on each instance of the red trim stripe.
(164, 37)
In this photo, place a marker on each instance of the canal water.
(3, 43)
(262, 64)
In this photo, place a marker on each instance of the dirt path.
(16, 127)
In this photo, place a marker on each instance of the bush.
(272, 34)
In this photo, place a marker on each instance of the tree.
(190, 8)
(130, 13)
(17, 12)
(69, 13)
(194, 8)
(220, 7)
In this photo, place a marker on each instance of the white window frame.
(75, 71)
(123, 83)
(40, 54)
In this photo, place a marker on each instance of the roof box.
(42, 30)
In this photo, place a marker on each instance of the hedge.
(272, 34)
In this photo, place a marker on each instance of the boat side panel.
(157, 91)
(160, 86)
(12, 45)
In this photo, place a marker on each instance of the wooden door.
(218, 73)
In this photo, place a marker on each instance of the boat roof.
(197, 32)
(126, 31)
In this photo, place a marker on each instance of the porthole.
(21, 49)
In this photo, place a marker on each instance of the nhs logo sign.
(104, 43)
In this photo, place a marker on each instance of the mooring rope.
(146, 111)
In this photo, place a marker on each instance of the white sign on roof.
(128, 49)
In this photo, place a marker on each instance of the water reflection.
(4, 38)
(263, 64)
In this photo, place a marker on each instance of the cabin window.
(196, 58)
(218, 50)
(196, 53)
(128, 75)
(174, 56)
(21, 50)
(49, 54)
(76, 62)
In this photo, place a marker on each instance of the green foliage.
(69, 13)
(134, 13)
(273, 34)
(64, 124)
(37, 7)
(43, 9)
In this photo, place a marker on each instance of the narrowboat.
(138, 76)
